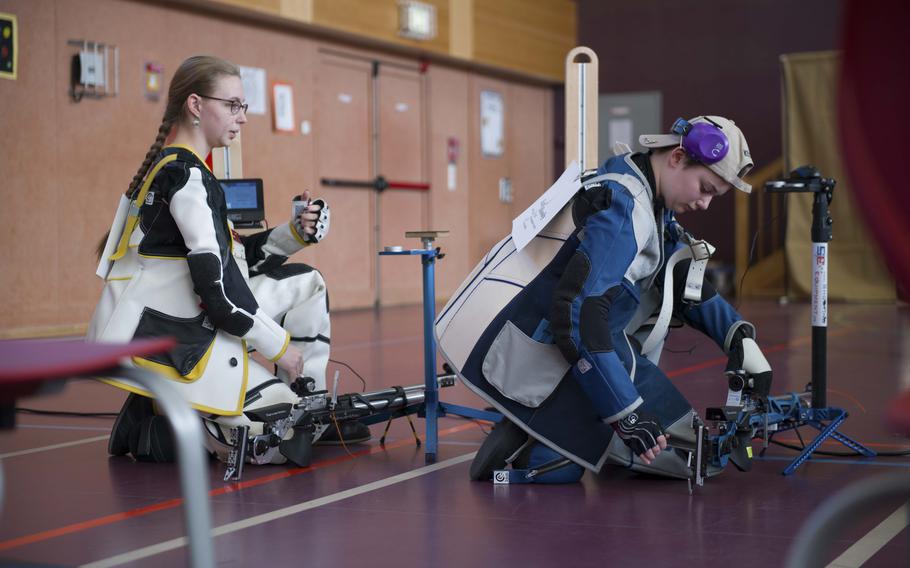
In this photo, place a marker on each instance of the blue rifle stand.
(807, 179)
(816, 418)
(432, 408)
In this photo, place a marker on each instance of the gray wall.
(705, 56)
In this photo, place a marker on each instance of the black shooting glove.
(639, 430)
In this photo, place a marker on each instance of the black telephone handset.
(77, 89)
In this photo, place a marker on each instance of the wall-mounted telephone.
(90, 70)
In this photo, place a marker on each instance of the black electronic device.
(245, 205)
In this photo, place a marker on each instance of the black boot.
(152, 441)
(500, 444)
(135, 408)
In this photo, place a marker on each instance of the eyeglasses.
(235, 105)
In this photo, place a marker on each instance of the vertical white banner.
(820, 284)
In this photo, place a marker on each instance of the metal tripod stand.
(826, 419)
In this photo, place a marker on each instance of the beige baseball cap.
(732, 167)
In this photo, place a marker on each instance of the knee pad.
(263, 405)
(295, 444)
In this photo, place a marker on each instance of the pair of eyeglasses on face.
(236, 106)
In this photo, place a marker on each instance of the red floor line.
(772, 349)
(172, 503)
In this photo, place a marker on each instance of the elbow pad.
(208, 281)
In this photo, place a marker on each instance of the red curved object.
(897, 417)
(23, 361)
(875, 125)
(874, 130)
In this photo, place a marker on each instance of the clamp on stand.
(432, 408)
(826, 419)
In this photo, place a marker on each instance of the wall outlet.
(505, 190)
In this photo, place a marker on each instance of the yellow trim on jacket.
(200, 407)
(191, 150)
(133, 219)
(287, 341)
(172, 373)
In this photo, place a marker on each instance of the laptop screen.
(244, 200)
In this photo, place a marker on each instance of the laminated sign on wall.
(492, 123)
(283, 106)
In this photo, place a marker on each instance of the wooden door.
(530, 140)
(402, 157)
(490, 218)
(342, 130)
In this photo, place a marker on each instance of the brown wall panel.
(530, 38)
(379, 19)
(529, 138)
(526, 160)
(32, 208)
(67, 163)
(343, 130)
(271, 6)
(490, 218)
(402, 147)
(450, 209)
(100, 143)
(533, 37)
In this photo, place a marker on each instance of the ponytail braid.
(163, 131)
(155, 148)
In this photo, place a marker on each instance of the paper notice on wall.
(526, 226)
(451, 177)
(492, 123)
(283, 104)
(254, 88)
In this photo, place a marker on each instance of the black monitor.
(245, 206)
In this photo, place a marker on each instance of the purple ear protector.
(705, 142)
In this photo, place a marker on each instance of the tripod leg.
(826, 432)
(853, 444)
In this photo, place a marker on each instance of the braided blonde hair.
(198, 75)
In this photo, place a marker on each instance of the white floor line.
(173, 544)
(54, 447)
(866, 547)
(62, 427)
